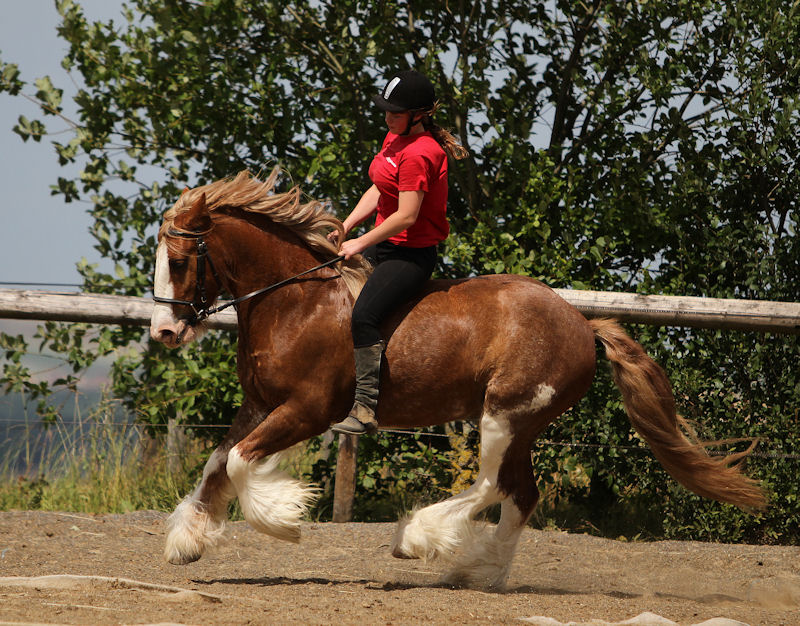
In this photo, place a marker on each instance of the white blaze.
(162, 288)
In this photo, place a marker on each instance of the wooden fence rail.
(88, 307)
(753, 315)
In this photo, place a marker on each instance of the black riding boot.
(368, 371)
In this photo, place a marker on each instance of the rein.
(199, 305)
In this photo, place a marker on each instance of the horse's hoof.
(183, 559)
(399, 554)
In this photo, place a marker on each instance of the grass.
(94, 463)
(98, 462)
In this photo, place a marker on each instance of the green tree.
(645, 146)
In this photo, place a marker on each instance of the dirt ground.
(65, 568)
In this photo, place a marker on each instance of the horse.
(502, 348)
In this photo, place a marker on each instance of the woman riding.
(409, 194)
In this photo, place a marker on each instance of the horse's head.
(184, 284)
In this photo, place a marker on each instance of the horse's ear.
(197, 218)
(185, 189)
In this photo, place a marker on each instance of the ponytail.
(443, 137)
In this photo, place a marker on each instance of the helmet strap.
(411, 123)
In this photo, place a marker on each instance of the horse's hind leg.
(487, 559)
(444, 528)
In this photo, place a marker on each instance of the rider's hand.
(351, 247)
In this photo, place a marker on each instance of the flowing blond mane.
(310, 220)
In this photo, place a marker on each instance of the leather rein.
(199, 305)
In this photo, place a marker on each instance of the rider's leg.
(398, 276)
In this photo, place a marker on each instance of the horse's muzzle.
(173, 334)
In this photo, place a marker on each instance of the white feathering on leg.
(435, 531)
(486, 562)
(190, 532)
(272, 501)
(479, 558)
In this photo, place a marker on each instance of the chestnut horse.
(505, 349)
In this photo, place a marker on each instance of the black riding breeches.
(398, 275)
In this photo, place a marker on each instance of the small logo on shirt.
(392, 162)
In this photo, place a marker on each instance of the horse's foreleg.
(198, 523)
(272, 501)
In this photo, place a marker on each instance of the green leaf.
(49, 95)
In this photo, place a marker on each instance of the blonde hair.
(308, 220)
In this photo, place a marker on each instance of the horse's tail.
(650, 405)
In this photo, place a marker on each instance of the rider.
(409, 194)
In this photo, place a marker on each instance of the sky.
(41, 237)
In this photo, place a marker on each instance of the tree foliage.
(646, 145)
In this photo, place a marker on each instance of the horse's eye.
(177, 264)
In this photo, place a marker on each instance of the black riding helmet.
(406, 91)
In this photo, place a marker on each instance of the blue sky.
(41, 237)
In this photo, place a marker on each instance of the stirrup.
(351, 426)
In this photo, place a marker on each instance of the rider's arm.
(364, 208)
(408, 206)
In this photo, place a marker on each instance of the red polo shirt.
(413, 163)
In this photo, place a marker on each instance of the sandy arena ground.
(65, 568)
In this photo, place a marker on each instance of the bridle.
(199, 306)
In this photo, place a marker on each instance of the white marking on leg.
(195, 526)
(190, 532)
(446, 527)
(219, 499)
(486, 562)
(272, 501)
(543, 397)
